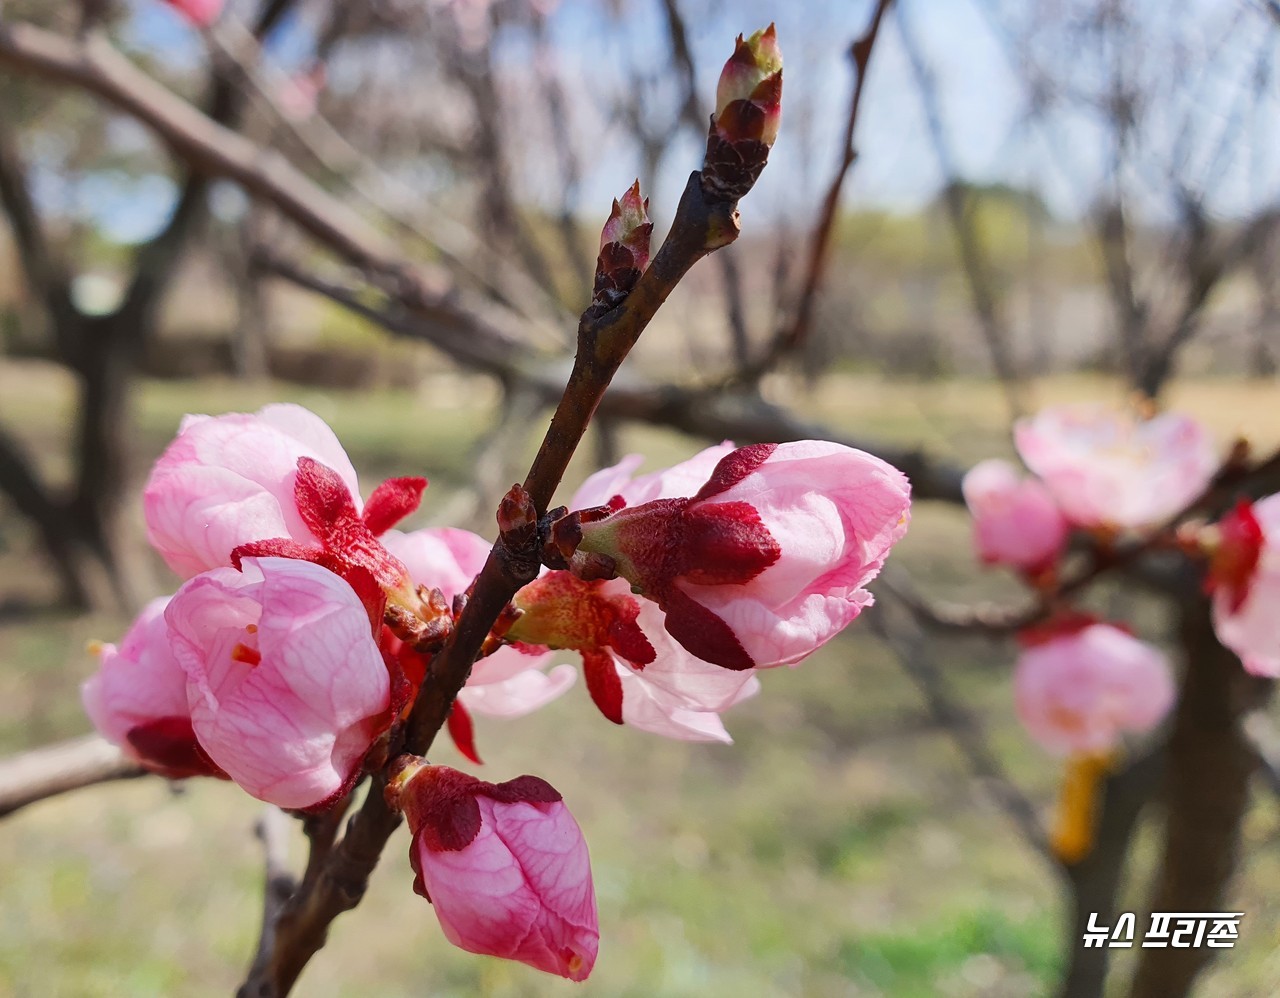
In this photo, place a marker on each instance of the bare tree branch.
(791, 333)
(973, 256)
(56, 769)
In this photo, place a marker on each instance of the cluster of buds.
(748, 113)
(305, 628)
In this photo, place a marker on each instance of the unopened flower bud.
(504, 865)
(748, 113)
(624, 250)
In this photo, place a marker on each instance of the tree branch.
(973, 256)
(790, 334)
(56, 769)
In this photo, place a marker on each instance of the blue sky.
(983, 104)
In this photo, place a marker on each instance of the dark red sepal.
(603, 683)
(724, 543)
(169, 748)
(463, 732)
(281, 547)
(734, 467)
(440, 804)
(702, 632)
(326, 507)
(391, 502)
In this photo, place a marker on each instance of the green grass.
(840, 847)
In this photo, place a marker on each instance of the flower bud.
(504, 865)
(230, 480)
(624, 250)
(1015, 520)
(748, 113)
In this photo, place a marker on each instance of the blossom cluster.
(1121, 477)
(306, 626)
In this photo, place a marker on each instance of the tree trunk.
(1206, 790)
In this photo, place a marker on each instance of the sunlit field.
(840, 847)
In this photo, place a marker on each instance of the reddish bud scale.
(624, 251)
(748, 114)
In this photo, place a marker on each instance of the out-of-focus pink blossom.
(1015, 520)
(1108, 468)
(298, 95)
(138, 700)
(766, 561)
(510, 682)
(1080, 687)
(504, 865)
(1246, 615)
(201, 13)
(229, 480)
(286, 686)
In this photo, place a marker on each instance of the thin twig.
(56, 769)
(790, 334)
(973, 256)
(1236, 476)
(700, 226)
(272, 829)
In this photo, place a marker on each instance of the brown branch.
(44, 273)
(603, 343)
(95, 66)
(272, 830)
(790, 335)
(713, 417)
(1210, 763)
(56, 769)
(973, 256)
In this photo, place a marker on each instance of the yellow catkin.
(1075, 822)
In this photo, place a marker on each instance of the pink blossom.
(286, 686)
(138, 700)
(1246, 616)
(1107, 468)
(229, 480)
(201, 13)
(504, 865)
(1078, 688)
(508, 683)
(766, 561)
(1015, 520)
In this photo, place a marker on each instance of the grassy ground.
(838, 848)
